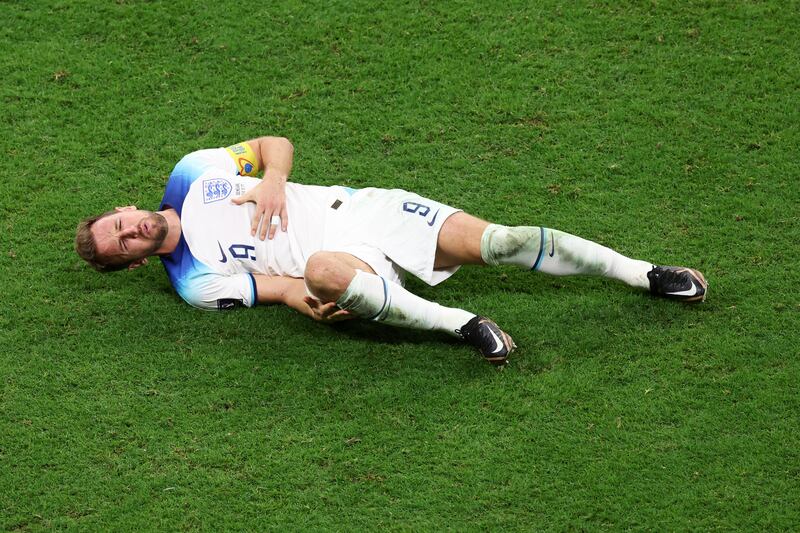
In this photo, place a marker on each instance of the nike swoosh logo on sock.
(552, 245)
(434, 218)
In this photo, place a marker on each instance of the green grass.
(668, 131)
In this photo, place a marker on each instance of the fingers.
(273, 225)
(255, 220)
(269, 222)
(270, 206)
(249, 196)
(316, 307)
(327, 309)
(274, 217)
(284, 218)
(239, 200)
(264, 224)
(327, 312)
(341, 314)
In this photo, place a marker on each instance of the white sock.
(375, 298)
(558, 253)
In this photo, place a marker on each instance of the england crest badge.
(215, 190)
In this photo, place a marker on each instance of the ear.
(126, 208)
(137, 263)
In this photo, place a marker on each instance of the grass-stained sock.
(560, 254)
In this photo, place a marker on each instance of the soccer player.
(341, 253)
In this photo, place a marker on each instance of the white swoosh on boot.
(687, 292)
(497, 340)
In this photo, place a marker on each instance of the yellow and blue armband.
(245, 158)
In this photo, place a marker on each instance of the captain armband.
(245, 158)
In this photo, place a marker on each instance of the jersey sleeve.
(245, 159)
(189, 169)
(217, 292)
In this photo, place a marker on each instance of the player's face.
(129, 234)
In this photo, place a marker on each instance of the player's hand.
(270, 199)
(328, 312)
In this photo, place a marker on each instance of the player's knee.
(326, 276)
(510, 245)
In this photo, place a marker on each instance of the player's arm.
(275, 155)
(292, 292)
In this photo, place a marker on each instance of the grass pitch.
(668, 131)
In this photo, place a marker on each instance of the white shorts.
(393, 231)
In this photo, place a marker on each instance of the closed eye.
(120, 242)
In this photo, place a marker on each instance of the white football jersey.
(214, 262)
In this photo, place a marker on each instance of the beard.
(154, 228)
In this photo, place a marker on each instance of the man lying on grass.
(341, 253)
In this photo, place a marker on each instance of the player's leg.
(465, 239)
(351, 283)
